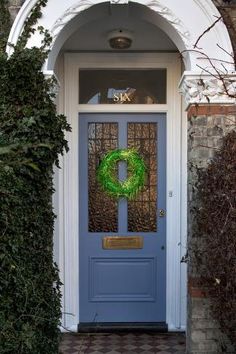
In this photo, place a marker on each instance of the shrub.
(216, 229)
(31, 137)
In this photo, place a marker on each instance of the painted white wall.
(183, 21)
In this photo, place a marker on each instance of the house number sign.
(121, 97)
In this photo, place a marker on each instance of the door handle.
(162, 213)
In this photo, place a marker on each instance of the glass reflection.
(122, 86)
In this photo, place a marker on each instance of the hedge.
(31, 137)
(215, 230)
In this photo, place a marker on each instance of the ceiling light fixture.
(120, 39)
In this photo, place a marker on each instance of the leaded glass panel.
(103, 210)
(142, 210)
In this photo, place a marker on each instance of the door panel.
(135, 279)
(122, 285)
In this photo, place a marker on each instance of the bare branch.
(205, 56)
(207, 30)
(206, 146)
(220, 60)
(224, 50)
(224, 67)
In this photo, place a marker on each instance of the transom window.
(122, 86)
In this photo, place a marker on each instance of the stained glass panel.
(103, 210)
(142, 210)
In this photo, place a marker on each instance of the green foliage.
(4, 24)
(216, 232)
(30, 28)
(107, 172)
(31, 137)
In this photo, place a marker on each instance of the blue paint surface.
(122, 285)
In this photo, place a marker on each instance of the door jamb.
(176, 192)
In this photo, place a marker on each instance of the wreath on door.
(107, 173)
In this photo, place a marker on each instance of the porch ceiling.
(93, 35)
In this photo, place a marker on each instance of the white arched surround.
(183, 24)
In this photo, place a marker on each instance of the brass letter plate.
(122, 242)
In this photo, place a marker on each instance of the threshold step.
(120, 327)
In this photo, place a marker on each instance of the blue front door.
(122, 285)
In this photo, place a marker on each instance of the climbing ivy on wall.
(31, 137)
(4, 24)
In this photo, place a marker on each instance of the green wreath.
(107, 171)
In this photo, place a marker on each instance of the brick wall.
(203, 335)
(207, 126)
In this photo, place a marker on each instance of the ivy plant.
(32, 135)
(4, 24)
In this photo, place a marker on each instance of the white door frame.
(67, 181)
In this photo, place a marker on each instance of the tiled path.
(135, 343)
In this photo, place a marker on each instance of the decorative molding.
(68, 15)
(118, 2)
(55, 21)
(179, 26)
(206, 88)
(154, 5)
(208, 8)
